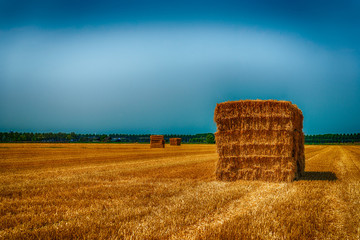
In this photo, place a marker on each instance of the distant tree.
(22, 137)
(210, 138)
(103, 137)
(68, 137)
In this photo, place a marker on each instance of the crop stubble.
(117, 191)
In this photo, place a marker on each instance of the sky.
(161, 67)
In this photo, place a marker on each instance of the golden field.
(129, 191)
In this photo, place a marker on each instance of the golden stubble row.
(171, 193)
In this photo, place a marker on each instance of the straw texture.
(175, 141)
(259, 140)
(157, 141)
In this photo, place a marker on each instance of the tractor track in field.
(251, 202)
(352, 153)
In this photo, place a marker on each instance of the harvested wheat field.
(130, 191)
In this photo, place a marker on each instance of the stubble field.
(129, 191)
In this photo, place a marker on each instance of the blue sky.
(161, 66)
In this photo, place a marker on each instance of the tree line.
(86, 138)
(145, 138)
(332, 138)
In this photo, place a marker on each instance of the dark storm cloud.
(161, 66)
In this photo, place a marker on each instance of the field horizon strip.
(129, 191)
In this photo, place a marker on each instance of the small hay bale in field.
(259, 140)
(175, 141)
(157, 141)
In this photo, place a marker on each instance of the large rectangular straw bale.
(259, 140)
(234, 149)
(157, 141)
(175, 141)
(258, 137)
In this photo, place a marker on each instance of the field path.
(342, 162)
(349, 178)
(264, 195)
(250, 202)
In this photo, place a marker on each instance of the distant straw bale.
(157, 141)
(175, 141)
(259, 140)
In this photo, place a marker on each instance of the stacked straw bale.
(259, 140)
(175, 141)
(157, 141)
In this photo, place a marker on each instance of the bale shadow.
(316, 176)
